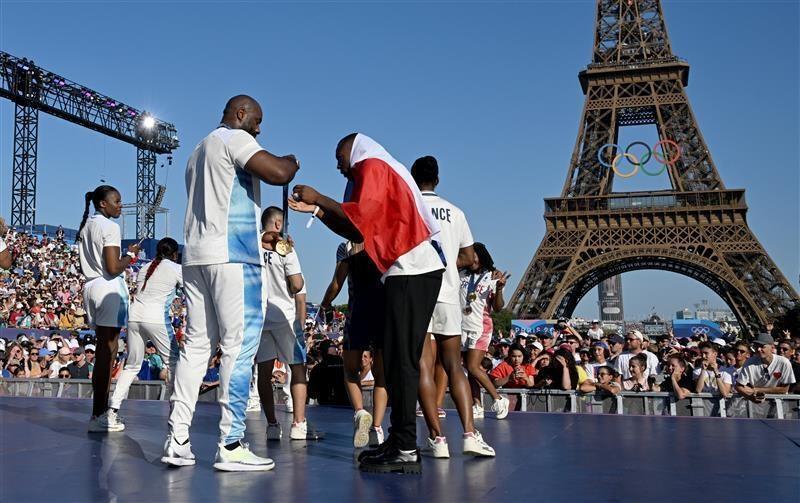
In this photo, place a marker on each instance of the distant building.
(609, 292)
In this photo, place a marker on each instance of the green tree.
(502, 321)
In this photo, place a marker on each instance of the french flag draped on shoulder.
(385, 204)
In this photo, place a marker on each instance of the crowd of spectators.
(567, 360)
(43, 291)
(43, 288)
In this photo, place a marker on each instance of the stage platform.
(47, 455)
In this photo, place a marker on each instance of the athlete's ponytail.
(165, 248)
(94, 196)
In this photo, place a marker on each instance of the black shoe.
(371, 453)
(391, 461)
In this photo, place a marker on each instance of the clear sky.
(489, 88)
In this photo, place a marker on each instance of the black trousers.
(409, 306)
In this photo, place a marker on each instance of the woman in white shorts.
(105, 293)
(481, 293)
(149, 319)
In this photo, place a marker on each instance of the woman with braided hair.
(150, 321)
(105, 293)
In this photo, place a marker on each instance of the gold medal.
(467, 311)
(283, 247)
(472, 297)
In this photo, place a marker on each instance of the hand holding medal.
(284, 246)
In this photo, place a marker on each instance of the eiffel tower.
(697, 229)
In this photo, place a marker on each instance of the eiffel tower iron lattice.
(698, 229)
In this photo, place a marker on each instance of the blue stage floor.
(47, 455)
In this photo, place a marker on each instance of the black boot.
(391, 461)
(371, 453)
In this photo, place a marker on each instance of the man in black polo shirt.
(79, 368)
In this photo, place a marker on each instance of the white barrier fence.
(529, 400)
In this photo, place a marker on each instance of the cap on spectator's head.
(19, 305)
(616, 339)
(595, 322)
(601, 344)
(505, 342)
(64, 351)
(565, 346)
(636, 334)
(562, 320)
(583, 350)
(538, 345)
(719, 342)
(545, 334)
(763, 339)
(52, 346)
(77, 351)
(43, 352)
(89, 347)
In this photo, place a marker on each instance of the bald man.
(224, 278)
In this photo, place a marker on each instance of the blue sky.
(489, 88)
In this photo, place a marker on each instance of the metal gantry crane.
(34, 89)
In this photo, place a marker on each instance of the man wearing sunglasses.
(764, 373)
(787, 349)
(635, 343)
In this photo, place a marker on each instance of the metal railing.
(76, 388)
(529, 400)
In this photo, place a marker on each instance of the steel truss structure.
(35, 89)
(698, 229)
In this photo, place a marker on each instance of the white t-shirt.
(421, 259)
(222, 212)
(3, 245)
(151, 304)
(280, 303)
(711, 381)
(624, 360)
(454, 236)
(98, 233)
(369, 377)
(484, 288)
(756, 373)
(595, 334)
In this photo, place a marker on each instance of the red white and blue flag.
(385, 204)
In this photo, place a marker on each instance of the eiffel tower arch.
(698, 228)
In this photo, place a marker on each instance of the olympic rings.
(663, 157)
(700, 330)
(628, 156)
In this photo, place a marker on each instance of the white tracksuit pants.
(162, 335)
(225, 304)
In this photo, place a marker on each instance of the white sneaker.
(436, 448)
(106, 422)
(475, 445)
(253, 404)
(241, 459)
(362, 420)
(299, 431)
(500, 407)
(375, 436)
(441, 412)
(176, 454)
(289, 404)
(477, 411)
(274, 431)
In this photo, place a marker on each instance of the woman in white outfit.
(149, 319)
(105, 293)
